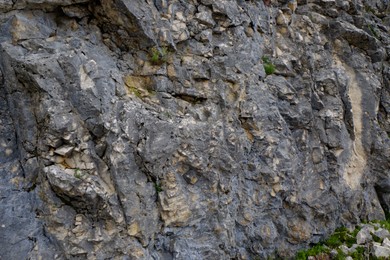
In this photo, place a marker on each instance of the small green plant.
(314, 251)
(158, 187)
(358, 254)
(333, 241)
(340, 255)
(341, 236)
(269, 67)
(168, 115)
(383, 223)
(373, 31)
(136, 92)
(158, 56)
(265, 59)
(78, 173)
(376, 238)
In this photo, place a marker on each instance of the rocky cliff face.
(138, 129)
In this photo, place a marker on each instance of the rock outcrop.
(151, 130)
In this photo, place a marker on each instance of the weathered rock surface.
(150, 130)
(381, 251)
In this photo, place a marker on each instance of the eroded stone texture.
(22, 233)
(174, 205)
(140, 130)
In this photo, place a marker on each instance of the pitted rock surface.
(151, 130)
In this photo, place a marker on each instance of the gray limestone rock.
(364, 235)
(151, 130)
(382, 233)
(381, 251)
(386, 242)
(22, 233)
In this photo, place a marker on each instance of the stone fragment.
(298, 231)
(65, 150)
(133, 229)
(175, 210)
(205, 16)
(179, 31)
(381, 251)
(281, 19)
(344, 248)
(386, 242)
(316, 155)
(57, 159)
(23, 28)
(382, 233)
(364, 235)
(333, 253)
(347, 250)
(75, 11)
(206, 36)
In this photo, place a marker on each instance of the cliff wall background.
(150, 130)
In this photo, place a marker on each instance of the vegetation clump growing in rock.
(361, 243)
(158, 187)
(158, 56)
(269, 67)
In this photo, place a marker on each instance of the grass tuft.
(269, 67)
